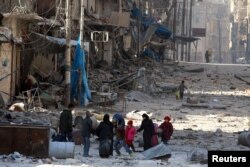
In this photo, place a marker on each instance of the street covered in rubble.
(213, 121)
(139, 83)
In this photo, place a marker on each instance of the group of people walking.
(124, 135)
(115, 134)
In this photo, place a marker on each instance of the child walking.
(130, 135)
(167, 129)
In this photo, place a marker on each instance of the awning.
(185, 39)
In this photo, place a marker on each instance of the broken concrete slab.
(198, 155)
(158, 151)
(167, 86)
(137, 114)
(138, 96)
(245, 78)
(199, 105)
(192, 100)
(43, 66)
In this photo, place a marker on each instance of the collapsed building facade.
(116, 33)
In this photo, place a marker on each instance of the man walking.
(86, 132)
(207, 56)
(182, 87)
(65, 123)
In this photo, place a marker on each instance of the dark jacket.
(167, 130)
(148, 128)
(105, 129)
(65, 124)
(86, 127)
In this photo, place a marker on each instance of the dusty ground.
(208, 128)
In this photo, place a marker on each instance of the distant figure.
(105, 133)
(207, 56)
(167, 130)
(86, 132)
(119, 125)
(130, 132)
(148, 130)
(65, 124)
(181, 88)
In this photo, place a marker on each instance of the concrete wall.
(5, 68)
(13, 52)
(105, 7)
(90, 6)
(207, 14)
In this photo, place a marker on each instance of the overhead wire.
(46, 32)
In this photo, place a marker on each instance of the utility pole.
(139, 29)
(190, 28)
(82, 24)
(247, 19)
(183, 28)
(219, 28)
(67, 51)
(247, 52)
(174, 28)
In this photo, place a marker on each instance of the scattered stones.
(198, 155)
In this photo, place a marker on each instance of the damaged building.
(116, 34)
(127, 57)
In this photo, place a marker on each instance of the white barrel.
(244, 139)
(62, 150)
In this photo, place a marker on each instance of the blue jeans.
(86, 141)
(119, 143)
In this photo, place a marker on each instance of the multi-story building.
(239, 28)
(212, 16)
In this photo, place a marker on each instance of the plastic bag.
(177, 94)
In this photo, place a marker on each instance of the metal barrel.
(244, 139)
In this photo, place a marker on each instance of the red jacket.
(130, 134)
(167, 130)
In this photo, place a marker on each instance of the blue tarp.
(79, 64)
(152, 54)
(162, 31)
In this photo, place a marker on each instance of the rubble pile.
(35, 118)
